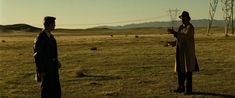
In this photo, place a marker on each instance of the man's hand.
(172, 43)
(171, 31)
(42, 75)
(39, 76)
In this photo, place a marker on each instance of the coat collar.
(47, 33)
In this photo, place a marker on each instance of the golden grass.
(121, 67)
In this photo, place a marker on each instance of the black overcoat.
(46, 59)
(186, 60)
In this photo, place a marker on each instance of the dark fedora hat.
(185, 14)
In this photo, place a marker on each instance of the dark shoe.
(179, 90)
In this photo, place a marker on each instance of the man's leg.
(189, 83)
(181, 79)
(57, 89)
(45, 89)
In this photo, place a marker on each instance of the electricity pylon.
(227, 9)
(212, 10)
(173, 16)
(227, 13)
(232, 16)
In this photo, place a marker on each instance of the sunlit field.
(132, 63)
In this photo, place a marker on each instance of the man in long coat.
(46, 59)
(186, 61)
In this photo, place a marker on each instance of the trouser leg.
(189, 81)
(57, 90)
(181, 79)
(45, 92)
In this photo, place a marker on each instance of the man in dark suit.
(46, 59)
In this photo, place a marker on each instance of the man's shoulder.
(40, 36)
(181, 27)
(190, 26)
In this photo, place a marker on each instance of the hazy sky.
(90, 13)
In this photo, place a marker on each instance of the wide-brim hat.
(185, 14)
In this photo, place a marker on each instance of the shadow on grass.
(214, 94)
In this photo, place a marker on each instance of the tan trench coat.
(186, 60)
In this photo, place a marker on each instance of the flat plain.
(131, 63)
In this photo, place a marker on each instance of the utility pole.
(173, 16)
(212, 10)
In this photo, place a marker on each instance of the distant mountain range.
(196, 23)
(18, 28)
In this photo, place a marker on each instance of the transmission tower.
(232, 16)
(227, 9)
(212, 10)
(173, 16)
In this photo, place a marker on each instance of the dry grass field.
(122, 66)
